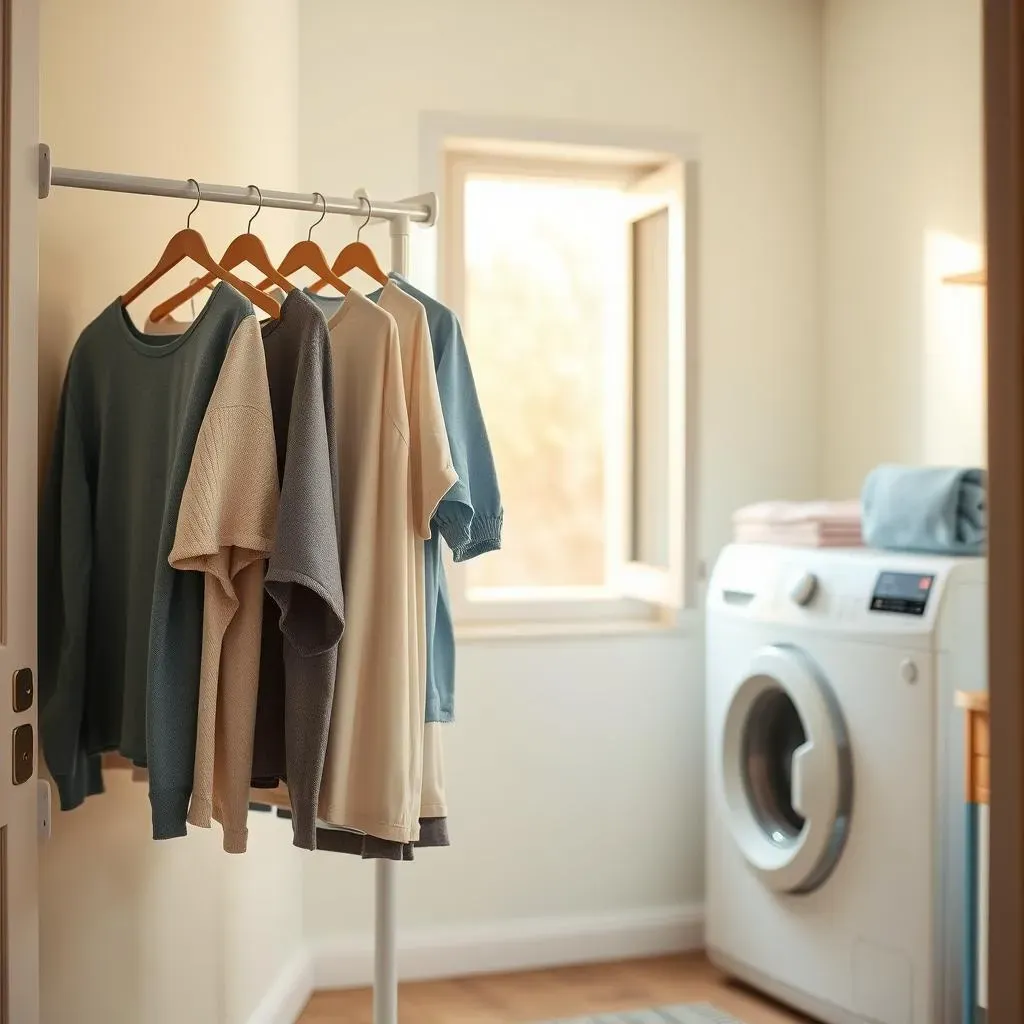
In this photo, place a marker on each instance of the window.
(569, 275)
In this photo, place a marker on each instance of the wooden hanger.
(307, 254)
(356, 256)
(245, 248)
(189, 244)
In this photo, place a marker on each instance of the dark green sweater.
(120, 631)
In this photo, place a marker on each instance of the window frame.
(478, 609)
(665, 587)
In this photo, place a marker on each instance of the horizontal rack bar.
(420, 209)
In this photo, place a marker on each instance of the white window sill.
(688, 623)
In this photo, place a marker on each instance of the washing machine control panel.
(860, 592)
(902, 593)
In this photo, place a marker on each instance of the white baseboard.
(288, 996)
(457, 951)
(512, 946)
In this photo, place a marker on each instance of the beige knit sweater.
(226, 529)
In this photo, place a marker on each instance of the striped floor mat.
(691, 1013)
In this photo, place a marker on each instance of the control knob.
(803, 588)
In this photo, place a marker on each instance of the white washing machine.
(835, 851)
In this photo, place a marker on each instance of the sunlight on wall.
(953, 364)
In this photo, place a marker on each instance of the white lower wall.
(575, 782)
(904, 354)
(262, 916)
(130, 930)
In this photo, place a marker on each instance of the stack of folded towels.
(933, 509)
(806, 524)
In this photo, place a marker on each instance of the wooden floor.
(566, 992)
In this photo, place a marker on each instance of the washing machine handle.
(802, 776)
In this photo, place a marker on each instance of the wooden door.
(19, 787)
(1004, 187)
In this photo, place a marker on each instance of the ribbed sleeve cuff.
(235, 839)
(436, 714)
(169, 810)
(69, 789)
(74, 788)
(484, 536)
(304, 832)
(454, 531)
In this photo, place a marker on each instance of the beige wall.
(576, 767)
(137, 932)
(903, 368)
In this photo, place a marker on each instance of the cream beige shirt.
(431, 475)
(225, 530)
(373, 776)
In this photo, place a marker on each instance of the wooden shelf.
(977, 751)
(972, 700)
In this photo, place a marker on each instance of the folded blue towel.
(937, 510)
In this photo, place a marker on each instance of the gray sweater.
(120, 631)
(304, 620)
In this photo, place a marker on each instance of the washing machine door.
(787, 771)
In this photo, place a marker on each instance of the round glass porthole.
(787, 771)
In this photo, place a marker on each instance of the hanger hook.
(199, 199)
(248, 227)
(369, 214)
(309, 233)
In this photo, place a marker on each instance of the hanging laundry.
(431, 477)
(305, 614)
(244, 416)
(283, 463)
(288, 714)
(433, 814)
(119, 630)
(269, 782)
(225, 531)
(394, 471)
(469, 517)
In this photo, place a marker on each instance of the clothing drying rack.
(421, 209)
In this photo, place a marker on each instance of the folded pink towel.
(787, 513)
(812, 524)
(800, 535)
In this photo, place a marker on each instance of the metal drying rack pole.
(421, 209)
